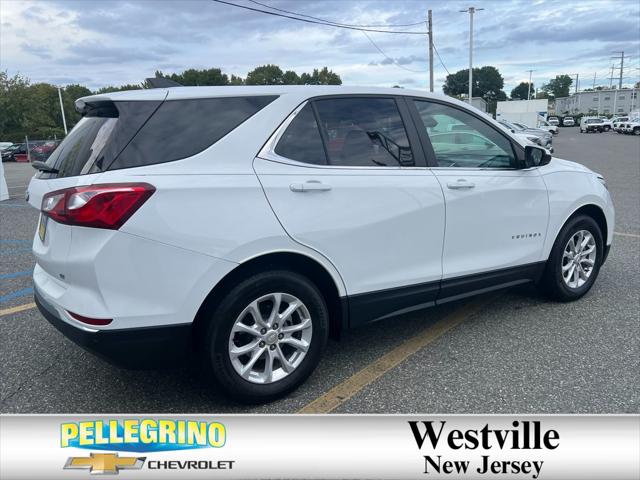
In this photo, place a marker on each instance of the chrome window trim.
(267, 152)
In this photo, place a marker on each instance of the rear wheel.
(266, 337)
(636, 131)
(575, 260)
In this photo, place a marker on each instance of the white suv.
(248, 224)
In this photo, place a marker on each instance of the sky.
(113, 42)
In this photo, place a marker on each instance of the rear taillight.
(98, 206)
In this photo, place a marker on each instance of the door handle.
(460, 185)
(310, 186)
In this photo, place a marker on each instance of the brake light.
(99, 206)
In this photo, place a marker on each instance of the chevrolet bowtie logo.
(105, 463)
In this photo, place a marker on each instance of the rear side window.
(182, 128)
(98, 138)
(365, 132)
(301, 140)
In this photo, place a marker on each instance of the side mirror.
(535, 156)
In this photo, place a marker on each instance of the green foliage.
(521, 92)
(34, 109)
(559, 86)
(197, 78)
(487, 83)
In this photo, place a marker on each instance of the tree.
(521, 92)
(265, 75)
(321, 77)
(487, 83)
(194, 78)
(559, 86)
(290, 78)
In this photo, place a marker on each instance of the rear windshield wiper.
(43, 167)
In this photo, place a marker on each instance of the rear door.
(496, 213)
(348, 179)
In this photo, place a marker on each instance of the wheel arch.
(595, 212)
(292, 261)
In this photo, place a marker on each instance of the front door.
(496, 214)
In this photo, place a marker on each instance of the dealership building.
(600, 102)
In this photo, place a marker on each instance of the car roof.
(251, 90)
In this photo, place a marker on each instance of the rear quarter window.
(182, 128)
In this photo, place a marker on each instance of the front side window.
(480, 146)
(364, 132)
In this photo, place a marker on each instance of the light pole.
(64, 120)
(529, 89)
(471, 11)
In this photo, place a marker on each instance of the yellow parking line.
(19, 308)
(347, 389)
(626, 234)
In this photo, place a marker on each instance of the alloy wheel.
(579, 259)
(270, 338)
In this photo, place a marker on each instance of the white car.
(553, 121)
(568, 122)
(544, 125)
(631, 126)
(617, 123)
(248, 224)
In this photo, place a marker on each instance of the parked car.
(591, 124)
(617, 123)
(545, 125)
(301, 211)
(42, 151)
(568, 122)
(5, 145)
(8, 154)
(553, 121)
(607, 124)
(534, 135)
(632, 126)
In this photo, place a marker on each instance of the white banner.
(327, 446)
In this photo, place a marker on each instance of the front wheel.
(636, 131)
(266, 336)
(575, 260)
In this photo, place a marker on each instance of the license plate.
(42, 227)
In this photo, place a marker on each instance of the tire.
(217, 342)
(553, 283)
(636, 131)
(606, 129)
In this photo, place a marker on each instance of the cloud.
(125, 41)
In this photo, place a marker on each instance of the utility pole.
(64, 120)
(611, 78)
(621, 58)
(594, 80)
(430, 30)
(529, 92)
(577, 76)
(471, 11)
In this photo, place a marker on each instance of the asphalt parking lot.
(504, 353)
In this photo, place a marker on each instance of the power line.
(336, 23)
(388, 57)
(306, 20)
(440, 58)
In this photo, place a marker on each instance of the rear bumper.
(135, 348)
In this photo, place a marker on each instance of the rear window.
(182, 128)
(131, 134)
